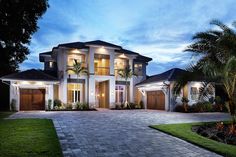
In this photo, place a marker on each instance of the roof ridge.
(172, 71)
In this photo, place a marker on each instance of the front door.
(102, 94)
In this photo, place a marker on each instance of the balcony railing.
(102, 70)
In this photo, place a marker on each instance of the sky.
(160, 29)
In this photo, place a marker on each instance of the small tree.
(78, 69)
(126, 74)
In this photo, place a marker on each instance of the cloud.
(159, 29)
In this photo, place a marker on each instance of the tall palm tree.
(78, 69)
(217, 49)
(126, 74)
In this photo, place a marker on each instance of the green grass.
(28, 137)
(185, 132)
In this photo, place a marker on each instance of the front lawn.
(184, 131)
(28, 137)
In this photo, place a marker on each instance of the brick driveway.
(122, 133)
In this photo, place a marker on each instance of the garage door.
(156, 100)
(32, 99)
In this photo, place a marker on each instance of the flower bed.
(221, 132)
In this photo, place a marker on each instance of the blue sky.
(159, 29)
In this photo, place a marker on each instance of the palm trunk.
(232, 108)
(126, 94)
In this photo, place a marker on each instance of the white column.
(112, 60)
(112, 92)
(131, 82)
(91, 60)
(91, 91)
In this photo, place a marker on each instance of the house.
(157, 90)
(101, 87)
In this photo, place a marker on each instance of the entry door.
(32, 99)
(104, 94)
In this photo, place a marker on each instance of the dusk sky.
(159, 29)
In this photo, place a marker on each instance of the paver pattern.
(122, 133)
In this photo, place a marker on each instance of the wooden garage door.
(32, 99)
(156, 100)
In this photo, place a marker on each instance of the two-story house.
(100, 87)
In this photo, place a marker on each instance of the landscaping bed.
(221, 132)
(28, 137)
(185, 132)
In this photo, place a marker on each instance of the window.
(194, 93)
(73, 92)
(138, 69)
(120, 63)
(50, 64)
(120, 93)
(71, 59)
(101, 64)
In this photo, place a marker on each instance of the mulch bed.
(225, 133)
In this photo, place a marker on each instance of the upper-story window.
(138, 69)
(50, 64)
(120, 63)
(101, 64)
(71, 61)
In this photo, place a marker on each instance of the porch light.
(75, 51)
(39, 83)
(24, 82)
(103, 95)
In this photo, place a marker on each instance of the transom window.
(120, 93)
(73, 92)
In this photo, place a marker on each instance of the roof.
(30, 75)
(170, 75)
(43, 54)
(83, 45)
(102, 43)
(78, 45)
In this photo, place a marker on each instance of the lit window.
(73, 92)
(120, 93)
(50, 64)
(138, 69)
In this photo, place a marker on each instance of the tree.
(78, 69)
(126, 74)
(217, 49)
(18, 23)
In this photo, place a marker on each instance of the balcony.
(102, 70)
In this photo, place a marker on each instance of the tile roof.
(102, 43)
(170, 75)
(30, 75)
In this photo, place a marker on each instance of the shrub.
(13, 104)
(49, 104)
(69, 106)
(185, 103)
(122, 105)
(201, 107)
(141, 104)
(131, 106)
(82, 106)
(117, 106)
(57, 103)
(179, 108)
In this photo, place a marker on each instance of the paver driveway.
(122, 133)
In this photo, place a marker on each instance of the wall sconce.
(102, 94)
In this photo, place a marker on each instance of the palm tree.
(78, 69)
(217, 49)
(126, 74)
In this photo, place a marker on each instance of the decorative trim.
(69, 80)
(122, 83)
